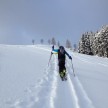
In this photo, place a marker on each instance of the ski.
(63, 79)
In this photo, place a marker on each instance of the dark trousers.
(62, 66)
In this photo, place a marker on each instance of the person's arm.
(54, 51)
(68, 55)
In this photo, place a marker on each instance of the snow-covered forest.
(95, 43)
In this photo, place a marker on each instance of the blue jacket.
(55, 51)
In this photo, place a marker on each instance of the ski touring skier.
(61, 60)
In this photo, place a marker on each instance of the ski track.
(75, 100)
(54, 86)
(81, 98)
(44, 93)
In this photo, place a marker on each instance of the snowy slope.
(26, 81)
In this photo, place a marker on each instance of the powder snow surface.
(26, 80)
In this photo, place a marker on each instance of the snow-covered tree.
(53, 41)
(75, 47)
(58, 43)
(68, 44)
(41, 41)
(95, 43)
(85, 44)
(33, 41)
(49, 41)
(81, 47)
(100, 44)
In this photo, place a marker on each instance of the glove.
(70, 57)
(53, 47)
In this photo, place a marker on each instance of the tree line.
(94, 43)
(90, 43)
(53, 41)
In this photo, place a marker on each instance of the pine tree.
(58, 43)
(100, 44)
(42, 41)
(68, 44)
(95, 43)
(85, 44)
(75, 47)
(33, 41)
(49, 41)
(53, 42)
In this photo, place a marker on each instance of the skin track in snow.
(27, 82)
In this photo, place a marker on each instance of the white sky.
(24, 20)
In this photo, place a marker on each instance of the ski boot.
(63, 75)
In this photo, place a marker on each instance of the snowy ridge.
(27, 82)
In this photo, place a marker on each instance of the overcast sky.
(24, 20)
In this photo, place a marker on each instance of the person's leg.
(64, 69)
(61, 69)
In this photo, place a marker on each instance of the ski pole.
(50, 58)
(73, 68)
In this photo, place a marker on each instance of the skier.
(61, 60)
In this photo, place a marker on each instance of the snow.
(26, 80)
